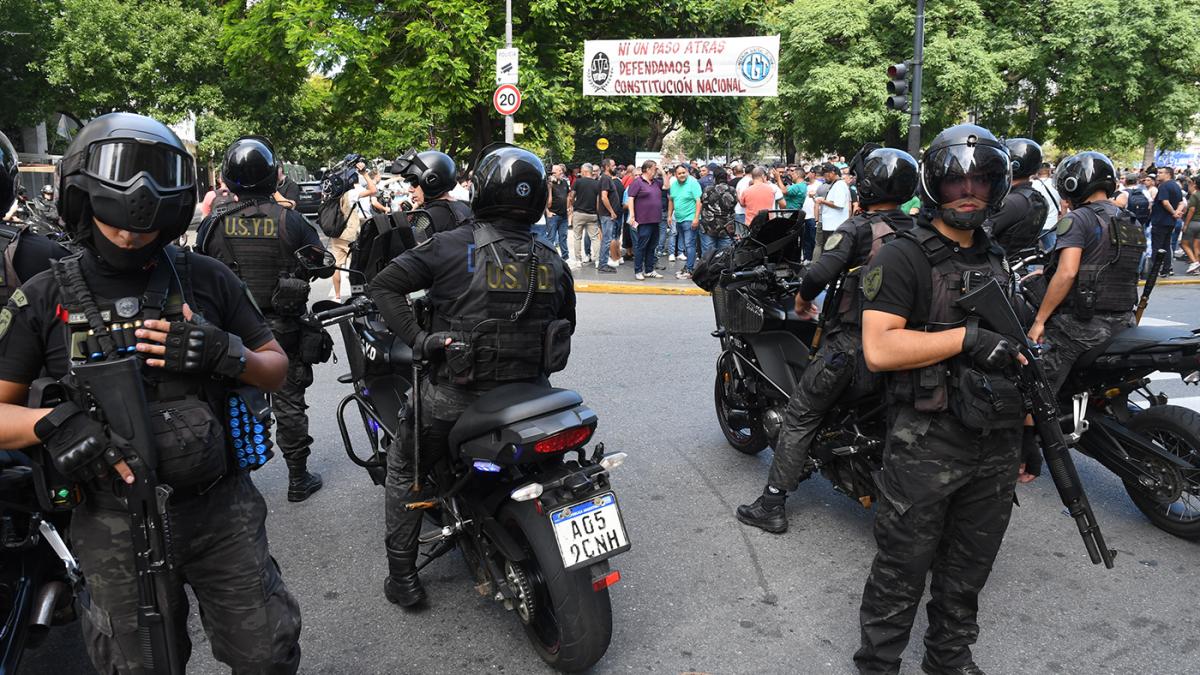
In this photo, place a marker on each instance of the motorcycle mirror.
(313, 257)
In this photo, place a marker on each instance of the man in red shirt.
(760, 196)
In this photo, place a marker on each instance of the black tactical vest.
(447, 214)
(1108, 271)
(503, 319)
(873, 230)
(10, 239)
(192, 450)
(1024, 233)
(951, 277)
(251, 240)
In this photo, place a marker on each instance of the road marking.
(1151, 321)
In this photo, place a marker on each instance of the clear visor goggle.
(121, 162)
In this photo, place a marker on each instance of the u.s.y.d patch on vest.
(873, 282)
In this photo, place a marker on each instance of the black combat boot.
(302, 483)
(766, 513)
(965, 669)
(402, 586)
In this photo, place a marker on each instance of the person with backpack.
(355, 212)
(1044, 183)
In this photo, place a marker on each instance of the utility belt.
(111, 498)
(1082, 302)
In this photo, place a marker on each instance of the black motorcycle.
(765, 348)
(534, 514)
(38, 574)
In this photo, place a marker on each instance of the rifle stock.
(989, 303)
(114, 391)
(1151, 280)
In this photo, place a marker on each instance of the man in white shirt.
(462, 191)
(835, 206)
(1044, 184)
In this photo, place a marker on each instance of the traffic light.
(897, 87)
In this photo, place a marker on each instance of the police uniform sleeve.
(1072, 231)
(22, 347)
(831, 263)
(890, 283)
(410, 271)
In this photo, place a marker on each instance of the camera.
(340, 178)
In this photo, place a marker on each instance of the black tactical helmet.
(1025, 155)
(434, 172)
(509, 182)
(958, 153)
(884, 175)
(132, 173)
(8, 174)
(1080, 176)
(250, 167)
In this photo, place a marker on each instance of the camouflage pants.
(1068, 338)
(822, 384)
(219, 545)
(947, 496)
(288, 404)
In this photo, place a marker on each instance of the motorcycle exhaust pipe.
(43, 606)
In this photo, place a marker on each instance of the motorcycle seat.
(1142, 340)
(507, 404)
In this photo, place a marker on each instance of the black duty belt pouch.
(190, 443)
(983, 401)
(460, 363)
(316, 344)
(929, 389)
(290, 297)
(1034, 289)
(1084, 306)
(556, 349)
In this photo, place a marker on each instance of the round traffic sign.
(601, 143)
(507, 99)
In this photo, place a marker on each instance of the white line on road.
(1151, 321)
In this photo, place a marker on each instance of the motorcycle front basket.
(735, 312)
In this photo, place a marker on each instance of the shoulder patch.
(873, 282)
(832, 242)
(6, 317)
(18, 298)
(1063, 225)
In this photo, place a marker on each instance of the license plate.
(589, 531)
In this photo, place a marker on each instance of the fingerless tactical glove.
(76, 443)
(203, 348)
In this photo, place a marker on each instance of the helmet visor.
(121, 162)
(961, 171)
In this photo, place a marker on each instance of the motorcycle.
(1152, 446)
(764, 351)
(535, 516)
(38, 575)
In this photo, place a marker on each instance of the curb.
(1174, 282)
(629, 288)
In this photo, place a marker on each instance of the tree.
(25, 36)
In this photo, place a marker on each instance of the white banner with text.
(742, 66)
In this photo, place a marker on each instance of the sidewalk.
(588, 280)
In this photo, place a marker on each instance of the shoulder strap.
(154, 298)
(69, 273)
(930, 244)
(10, 237)
(183, 267)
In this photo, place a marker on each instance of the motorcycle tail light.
(563, 440)
(606, 581)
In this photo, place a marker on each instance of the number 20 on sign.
(507, 99)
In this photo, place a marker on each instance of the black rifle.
(1151, 279)
(833, 300)
(113, 392)
(989, 303)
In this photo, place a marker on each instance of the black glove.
(989, 349)
(433, 345)
(1031, 453)
(76, 443)
(203, 348)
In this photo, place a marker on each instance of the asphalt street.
(699, 591)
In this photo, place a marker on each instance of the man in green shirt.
(684, 211)
(911, 207)
(794, 194)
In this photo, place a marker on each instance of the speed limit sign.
(507, 99)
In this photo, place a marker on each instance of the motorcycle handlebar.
(356, 307)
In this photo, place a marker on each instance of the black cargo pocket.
(983, 402)
(190, 443)
(929, 389)
(290, 297)
(316, 345)
(556, 349)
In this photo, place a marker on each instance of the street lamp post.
(508, 119)
(914, 123)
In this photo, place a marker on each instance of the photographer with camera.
(355, 207)
(434, 175)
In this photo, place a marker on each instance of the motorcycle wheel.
(750, 438)
(569, 623)
(1178, 430)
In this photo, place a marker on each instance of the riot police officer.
(487, 327)
(954, 444)
(433, 175)
(1091, 280)
(1018, 222)
(257, 238)
(886, 178)
(25, 253)
(127, 189)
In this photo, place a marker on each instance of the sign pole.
(914, 123)
(508, 119)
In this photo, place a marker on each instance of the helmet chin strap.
(963, 221)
